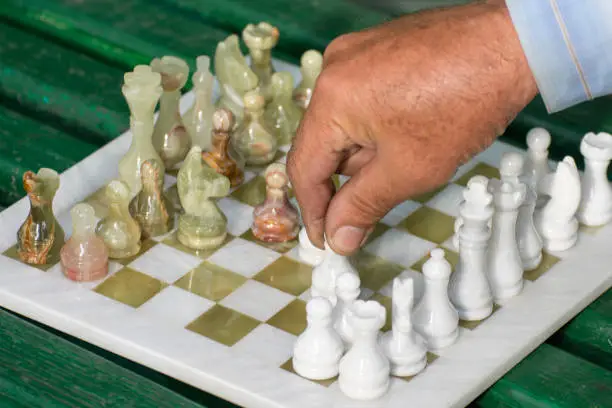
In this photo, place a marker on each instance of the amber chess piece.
(151, 208)
(276, 220)
(84, 257)
(282, 113)
(120, 232)
(170, 137)
(311, 65)
(40, 237)
(220, 158)
(260, 39)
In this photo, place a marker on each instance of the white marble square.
(169, 181)
(400, 212)
(271, 345)
(174, 306)
(448, 200)
(418, 280)
(285, 148)
(165, 263)
(400, 247)
(113, 267)
(239, 215)
(257, 300)
(244, 257)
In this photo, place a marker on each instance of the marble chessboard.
(225, 321)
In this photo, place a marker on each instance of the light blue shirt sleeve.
(568, 44)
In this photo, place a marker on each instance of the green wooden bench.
(60, 100)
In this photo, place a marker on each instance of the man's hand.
(398, 108)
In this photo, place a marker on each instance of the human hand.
(398, 108)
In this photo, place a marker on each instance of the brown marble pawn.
(220, 158)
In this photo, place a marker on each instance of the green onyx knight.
(202, 225)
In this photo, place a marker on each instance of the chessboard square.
(172, 241)
(252, 192)
(169, 181)
(374, 272)
(257, 300)
(448, 200)
(423, 198)
(165, 263)
(451, 256)
(399, 247)
(175, 307)
(287, 275)
(144, 247)
(387, 303)
(418, 281)
(281, 247)
(288, 366)
(239, 216)
(223, 325)
(548, 261)
(429, 224)
(244, 257)
(210, 281)
(291, 319)
(481, 169)
(473, 324)
(267, 343)
(130, 287)
(12, 253)
(400, 212)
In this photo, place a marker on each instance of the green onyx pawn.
(282, 113)
(202, 225)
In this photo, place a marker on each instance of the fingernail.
(348, 239)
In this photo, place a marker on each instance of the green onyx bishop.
(198, 119)
(260, 39)
(282, 113)
(202, 225)
(311, 65)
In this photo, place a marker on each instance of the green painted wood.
(61, 87)
(26, 144)
(551, 378)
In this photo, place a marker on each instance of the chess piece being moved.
(311, 65)
(317, 351)
(307, 251)
(120, 232)
(536, 166)
(276, 220)
(260, 39)
(364, 369)
(151, 207)
(253, 139)
(347, 291)
(170, 137)
(325, 274)
(235, 76)
(596, 203)
(198, 119)
(142, 89)
(469, 289)
(84, 257)
(282, 114)
(220, 157)
(556, 222)
(404, 347)
(202, 225)
(40, 237)
(434, 317)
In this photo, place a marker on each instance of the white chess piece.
(365, 370)
(504, 265)
(458, 221)
(347, 292)
(537, 166)
(469, 289)
(556, 222)
(527, 237)
(404, 347)
(317, 351)
(435, 318)
(324, 275)
(307, 251)
(596, 203)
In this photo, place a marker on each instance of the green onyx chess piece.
(198, 119)
(311, 66)
(260, 39)
(142, 90)
(254, 139)
(40, 238)
(170, 137)
(235, 76)
(282, 113)
(202, 225)
(151, 208)
(120, 232)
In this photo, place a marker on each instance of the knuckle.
(337, 45)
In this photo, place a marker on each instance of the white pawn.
(365, 370)
(596, 204)
(527, 238)
(469, 289)
(324, 275)
(504, 265)
(317, 351)
(435, 318)
(556, 222)
(405, 348)
(307, 251)
(347, 292)
(459, 220)
(537, 166)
